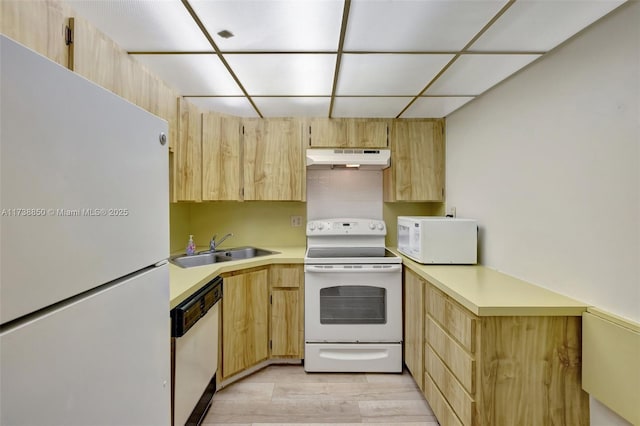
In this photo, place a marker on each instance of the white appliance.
(354, 158)
(438, 240)
(84, 283)
(194, 332)
(353, 298)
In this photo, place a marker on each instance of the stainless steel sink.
(202, 259)
(209, 258)
(245, 252)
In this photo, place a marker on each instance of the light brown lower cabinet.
(499, 370)
(262, 317)
(245, 321)
(287, 311)
(413, 328)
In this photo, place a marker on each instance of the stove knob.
(372, 226)
(312, 226)
(320, 226)
(381, 226)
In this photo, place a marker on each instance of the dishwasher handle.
(186, 314)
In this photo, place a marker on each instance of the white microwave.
(438, 240)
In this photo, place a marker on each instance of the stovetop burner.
(347, 241)
(333, 252)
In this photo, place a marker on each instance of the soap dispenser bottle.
(191, 246)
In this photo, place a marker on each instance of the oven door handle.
(327, 269)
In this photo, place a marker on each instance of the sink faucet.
(213, 243)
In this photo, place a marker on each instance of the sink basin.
(245, 252)
(202, 259)
(209, 258)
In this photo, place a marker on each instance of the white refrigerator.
(84, 238)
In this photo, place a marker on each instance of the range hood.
(363, 159)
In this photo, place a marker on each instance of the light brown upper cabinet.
(347, 132)
(417, 161)
(273, 166)
(221, 157)
(99, 59)
(188, 161)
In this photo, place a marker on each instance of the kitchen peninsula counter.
(487, 292)
(183, 282)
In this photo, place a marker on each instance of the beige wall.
(179, 228)
(549, 164)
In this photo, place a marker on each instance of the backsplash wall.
(258, 223)
(391, 211)
(265, 222)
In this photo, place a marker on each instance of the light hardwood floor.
(286, 395)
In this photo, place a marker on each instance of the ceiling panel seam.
(455, 58)
(343, 31)
(205, 32)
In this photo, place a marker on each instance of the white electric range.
(353, 298)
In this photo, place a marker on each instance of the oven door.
(353, 303)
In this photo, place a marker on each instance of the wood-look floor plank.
(285, 395)
(345, 391)
(246, 391)
(283, 412)
(391, 412)
(405, 377)
(296, 374)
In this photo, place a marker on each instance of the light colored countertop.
(482, 290)
(183, 282)
(487, 292)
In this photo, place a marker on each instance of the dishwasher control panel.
(187, 313)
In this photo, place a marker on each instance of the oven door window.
(348, 304)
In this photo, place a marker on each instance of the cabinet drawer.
(439, 405)
(286, 275)
(457, 359)
(452, 390)
(459, 323)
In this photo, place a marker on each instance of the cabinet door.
(417, 172)
(414, 326)
(348, 132)
(188, 167)
(328, 133)
(285, 315)
(273, 159)
(221, 179)
(368, 133)
(287, 311)
(245, 320)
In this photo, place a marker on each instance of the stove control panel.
(346, 227)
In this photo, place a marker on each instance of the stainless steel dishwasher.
(194, 332)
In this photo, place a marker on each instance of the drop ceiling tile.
(192, 74)
(163, 25)
(293, 106)
(541, 25)
(410, 25)
(284, 25)
(388, 74)
(383, 107)
(237, 106)
(435, 107)
(284, 74)
(473, 74)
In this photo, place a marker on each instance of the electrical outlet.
(451, 211)
(296, 221)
